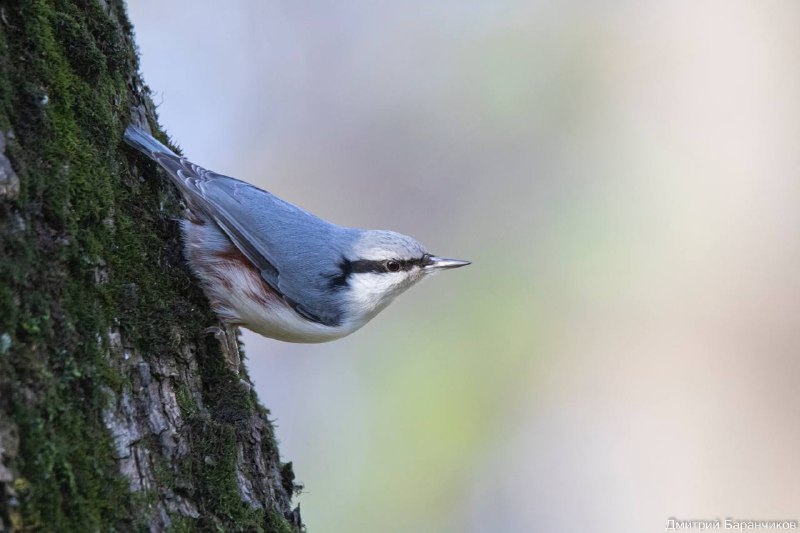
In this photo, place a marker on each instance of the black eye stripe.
(366, 266)
(363, 266)
(369, 265)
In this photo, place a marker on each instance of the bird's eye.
(392, 266)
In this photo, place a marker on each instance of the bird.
(278, 270)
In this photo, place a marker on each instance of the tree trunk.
(120, 409)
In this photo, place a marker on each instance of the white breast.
(274, 318)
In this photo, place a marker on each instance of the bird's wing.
(296, 252)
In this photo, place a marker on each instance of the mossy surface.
(88, 246)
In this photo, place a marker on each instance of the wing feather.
(296, 252)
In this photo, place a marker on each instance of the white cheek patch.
(372, 292)
(368, 288)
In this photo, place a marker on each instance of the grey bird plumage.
(323, 281)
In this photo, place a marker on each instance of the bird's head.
(382, 265)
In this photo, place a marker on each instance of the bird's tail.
(144, 142)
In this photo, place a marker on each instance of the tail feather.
(144, 142)
(181, 171)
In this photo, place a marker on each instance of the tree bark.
(120, 409)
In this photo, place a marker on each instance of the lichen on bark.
(118, 410)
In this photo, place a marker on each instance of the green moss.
(275, 522)
(113, 261)
(186, 402)
(212, 464)
(52, 315)
(287, 479)
(65, 68)
(182, 524)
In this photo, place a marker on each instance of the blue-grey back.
(305, 250)
(298, 253)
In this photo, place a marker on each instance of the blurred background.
(624, 177)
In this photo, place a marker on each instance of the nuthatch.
(278, 270)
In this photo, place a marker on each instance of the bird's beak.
(440, 263)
